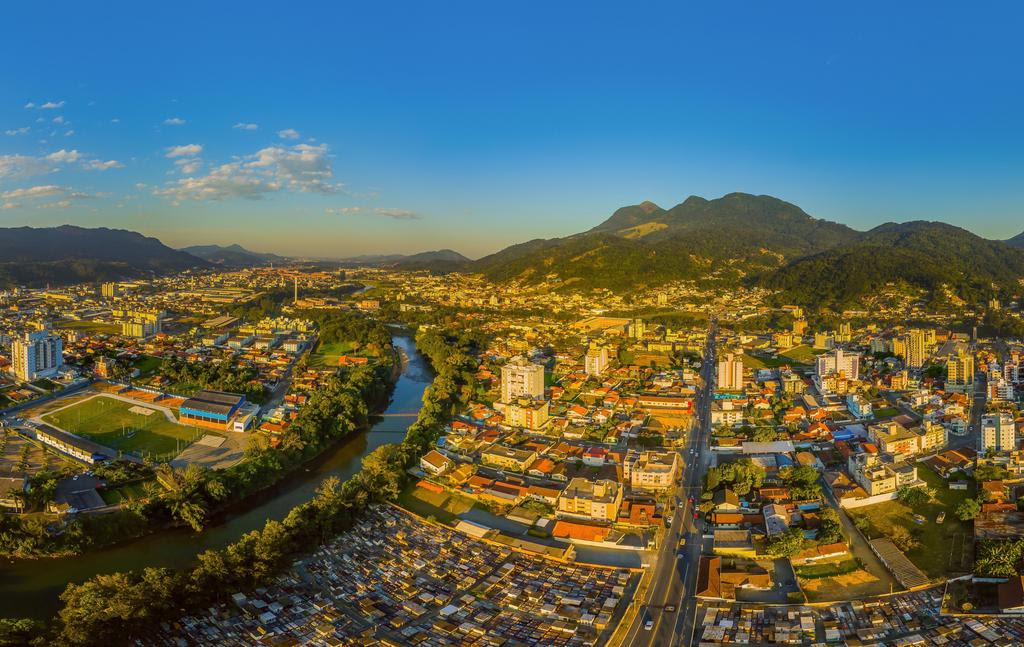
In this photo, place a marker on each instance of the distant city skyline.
(340, 131)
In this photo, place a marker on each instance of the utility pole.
(296, 288)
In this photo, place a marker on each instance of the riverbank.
(31, 588)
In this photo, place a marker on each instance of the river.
(30, 588)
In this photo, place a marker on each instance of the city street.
(673, 580)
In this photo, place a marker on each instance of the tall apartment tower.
(36, 354)
(915, 354)
(838, 362)
(730, 373)
(960, 371)
(596, 360)
(521, 379)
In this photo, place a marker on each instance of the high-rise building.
(914, 348)
(596, 360)
(521, 379)
(998, 433)
(109, 290)
(839, 362)
(799, 326)
(638, 328)
(960, 371)
(36, 354)
(730, 373)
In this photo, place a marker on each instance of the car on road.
(941, 517)
(670, 608)
(918, 518)
(648, 621)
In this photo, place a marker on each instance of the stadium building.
(213, 410)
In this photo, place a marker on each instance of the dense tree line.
(109, 608)
(220, 377)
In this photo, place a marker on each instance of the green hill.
(920, 254)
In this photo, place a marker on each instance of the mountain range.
(68, 254)
(739, 239)
(761, 240)
(232, 255)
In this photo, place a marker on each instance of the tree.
(967, 510)
(831, 530)
(915, 498)
(903, 538)
(785, 544)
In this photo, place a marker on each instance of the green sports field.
(110, 422)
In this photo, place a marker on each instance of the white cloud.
(9, 205)
(244, 126)
(302, 167)
(385, 212)
(174, 121)
(24, 130)
(225, 181)
(99, 165)
(30, 105)
(52, 105)
(32, 192)
(59, 119)
(185, 150)
(14, 167)
(115, 120)
(69, 133)
(288, 133)
(64, 156)
(342, 211)
(189, 165)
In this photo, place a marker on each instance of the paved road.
(674, 574)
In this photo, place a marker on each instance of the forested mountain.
(68, 254)
(761, 240)
(1017, 241)
(442, 260)
(232, 255)
(921, 254)
(646, 245)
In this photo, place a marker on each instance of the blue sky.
(334, 129)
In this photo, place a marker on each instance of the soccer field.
(112, 423)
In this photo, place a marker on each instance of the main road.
(673, 580)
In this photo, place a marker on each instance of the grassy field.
(827, 569)
(147, 364)
(328, 354)
(130, 492)
(90, 326)
(802, 354)
(886, 412)
(943, 549)
(109, 422)
(444, 507)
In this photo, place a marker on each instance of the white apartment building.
(37, 354)
(730, 373)
(839, 362)
(596, 361)
(521, 379)
(998, 432)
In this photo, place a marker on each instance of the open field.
(111, 423)
(90, 326)
(944, 549)
(147, 364)
(857, 584)
(444, 507)
(129, 492)
(328, 354)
